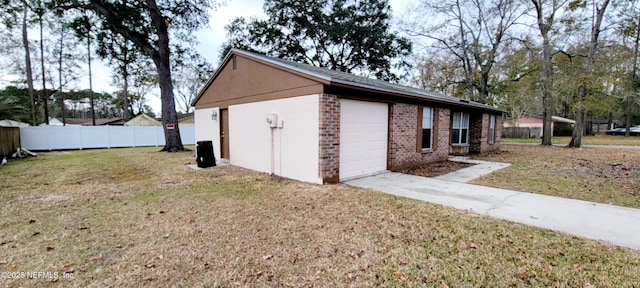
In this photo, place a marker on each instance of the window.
(492, 129)
(425, 131)
(460, 131)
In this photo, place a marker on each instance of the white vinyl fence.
(82, 137)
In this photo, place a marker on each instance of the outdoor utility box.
(204, 154)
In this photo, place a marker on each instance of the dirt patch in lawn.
(435, 169)
(602, 175)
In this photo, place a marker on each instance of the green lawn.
(141, 218)
(587, 140)
(605, 175)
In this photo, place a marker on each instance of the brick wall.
(329, 164)
(479, 133)
(403, 132)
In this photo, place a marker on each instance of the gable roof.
(89, 121)
(343, 79)
(135, 121)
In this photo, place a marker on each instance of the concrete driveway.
(613, 224)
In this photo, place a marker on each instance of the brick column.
(329, 164)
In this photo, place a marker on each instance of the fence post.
(80, 134)
(133, 135)
(108, 138)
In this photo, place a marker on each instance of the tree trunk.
(547, 86)
(466, 62)
(173, 142)
(27, 58)
(125, 93)
(45, 96)
(93, 112)
(578, 128)
(576, 138)
(60, 94)
(630, 96)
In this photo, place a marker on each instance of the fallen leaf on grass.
(149, 265)
(267, 257)
(444, 285)
(473, 245)
(589, 285)
(49, 248)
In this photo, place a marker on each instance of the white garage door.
(363, 138)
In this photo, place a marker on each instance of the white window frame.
(492, 129)
(460, 122)
(426, 121)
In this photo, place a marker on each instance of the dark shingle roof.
(339, 77)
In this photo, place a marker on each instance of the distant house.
(143, 120)
(559, 125)
(84, 122)
(601, 126)
(12, 123)
(185, 118)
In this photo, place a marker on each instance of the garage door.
(363, 138)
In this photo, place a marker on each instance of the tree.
(27, 58)
(599, 9)
(147, 24)
(476, 32)
(121, 54)
(192, 73)
(629, 28)
(346, 35)
(545, 14)
(14, 104)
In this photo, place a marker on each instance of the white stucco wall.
(290, 151)
(208, 129)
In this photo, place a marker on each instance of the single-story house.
(84, 122)
(324, 126)
(143, 120)
(186, 118)
(13, 123)
(532, 121)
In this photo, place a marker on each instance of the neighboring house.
(530, 121)
(12, 123)
(84, 122)
(324, 126)
(601, 126)
(53, 122)
(143, 120)
(186, 118)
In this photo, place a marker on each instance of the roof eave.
(460, 102)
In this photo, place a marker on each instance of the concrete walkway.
(613, 224)
(480, 168)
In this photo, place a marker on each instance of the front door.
(224, 133)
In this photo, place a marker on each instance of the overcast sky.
(210, 39)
